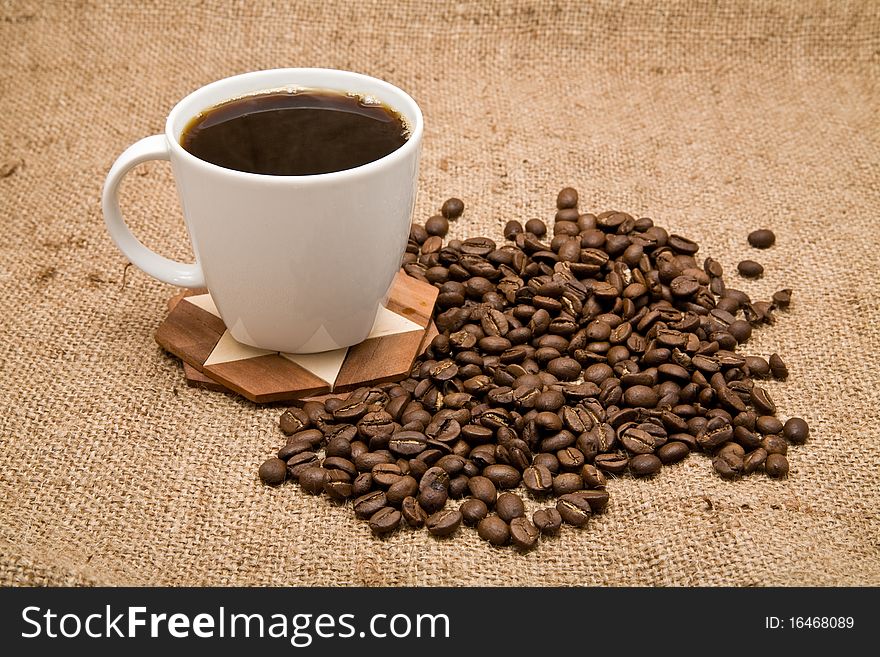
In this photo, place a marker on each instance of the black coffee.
(295, 134)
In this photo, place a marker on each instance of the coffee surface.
(295, 134)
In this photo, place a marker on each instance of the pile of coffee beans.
(605, 351)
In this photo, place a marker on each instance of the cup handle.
(167, 271)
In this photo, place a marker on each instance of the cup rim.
(404, 151)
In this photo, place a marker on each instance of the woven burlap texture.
(712, 118)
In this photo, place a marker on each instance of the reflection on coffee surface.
(295, 134)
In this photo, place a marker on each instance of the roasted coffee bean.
(536, 227)
(776, 466)
(408, 443)
(273, 472)
(523, 534)
(754, 460)
(762, 238)
(366, 505)
(768, 424)
(567, 482)
(761, 400)
(673, 452)
(412, 513)
(444, 522)
(299, 462)
(473, 510)
(483, 489)
(538, 479)
(796, 430)
(509, 506)
(750, 269)
(312, 479)
(494, 530)
(452, 208)
(775, 444)
(384, 474)
(574, 510)
(337, 485)
(405, 486)
(645, 465)
(613, 463)
(597, 498)
(778, 367)
(503, 476)
(339, 463)
(384, 521)
(548, 521)
(592, 476)
(433, 489)
(362, 484)
(437, 225)
(567, 198)
(293, 420)
(782, 298)
(724, 468)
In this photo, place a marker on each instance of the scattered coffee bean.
(443, 523)
(796, 430)
(509, 506)
(523, 534)
(452, 208)
(273, 472)
(384, 521)
(762, 238)
(473, 510)
(750, 269)
(437, 225)
(494, 530)
(604, 348)
(776, 466)
(548, 521)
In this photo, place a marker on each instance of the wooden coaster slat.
(192, 333)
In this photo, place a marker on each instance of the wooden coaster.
(194, 332)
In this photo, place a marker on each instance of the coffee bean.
(762, 239)
(483, 489)
(494, 530)
(754, 460)
(452, 208)
(761, 401)
(473, 510)
(673, 452)
(750, 269)
(273, 472)
(536, 227)
(645, 465)
(640, 396)
(592, 476)
(437, 225)
(567, 198)
(384, 521)
(444, 522)
(405, 486)
(509, 506)
(538, 479)
(312, 479)
(597, 499)
(548, 521)
(503, 476)
(776, 466)
(408, 443)
(574, 510)
(384, 474)
(782, 298)
(768, 424)
(564, 368)
(567, 482)
(523, 534)
(412, 513)
(366, 505)
(433, 489)
(775, 444)
(293, 420)
(725, 469)
(778, 368)
(796, 430)
(613, 463)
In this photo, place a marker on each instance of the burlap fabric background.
(713, 120)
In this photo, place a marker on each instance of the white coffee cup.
(297, 264)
